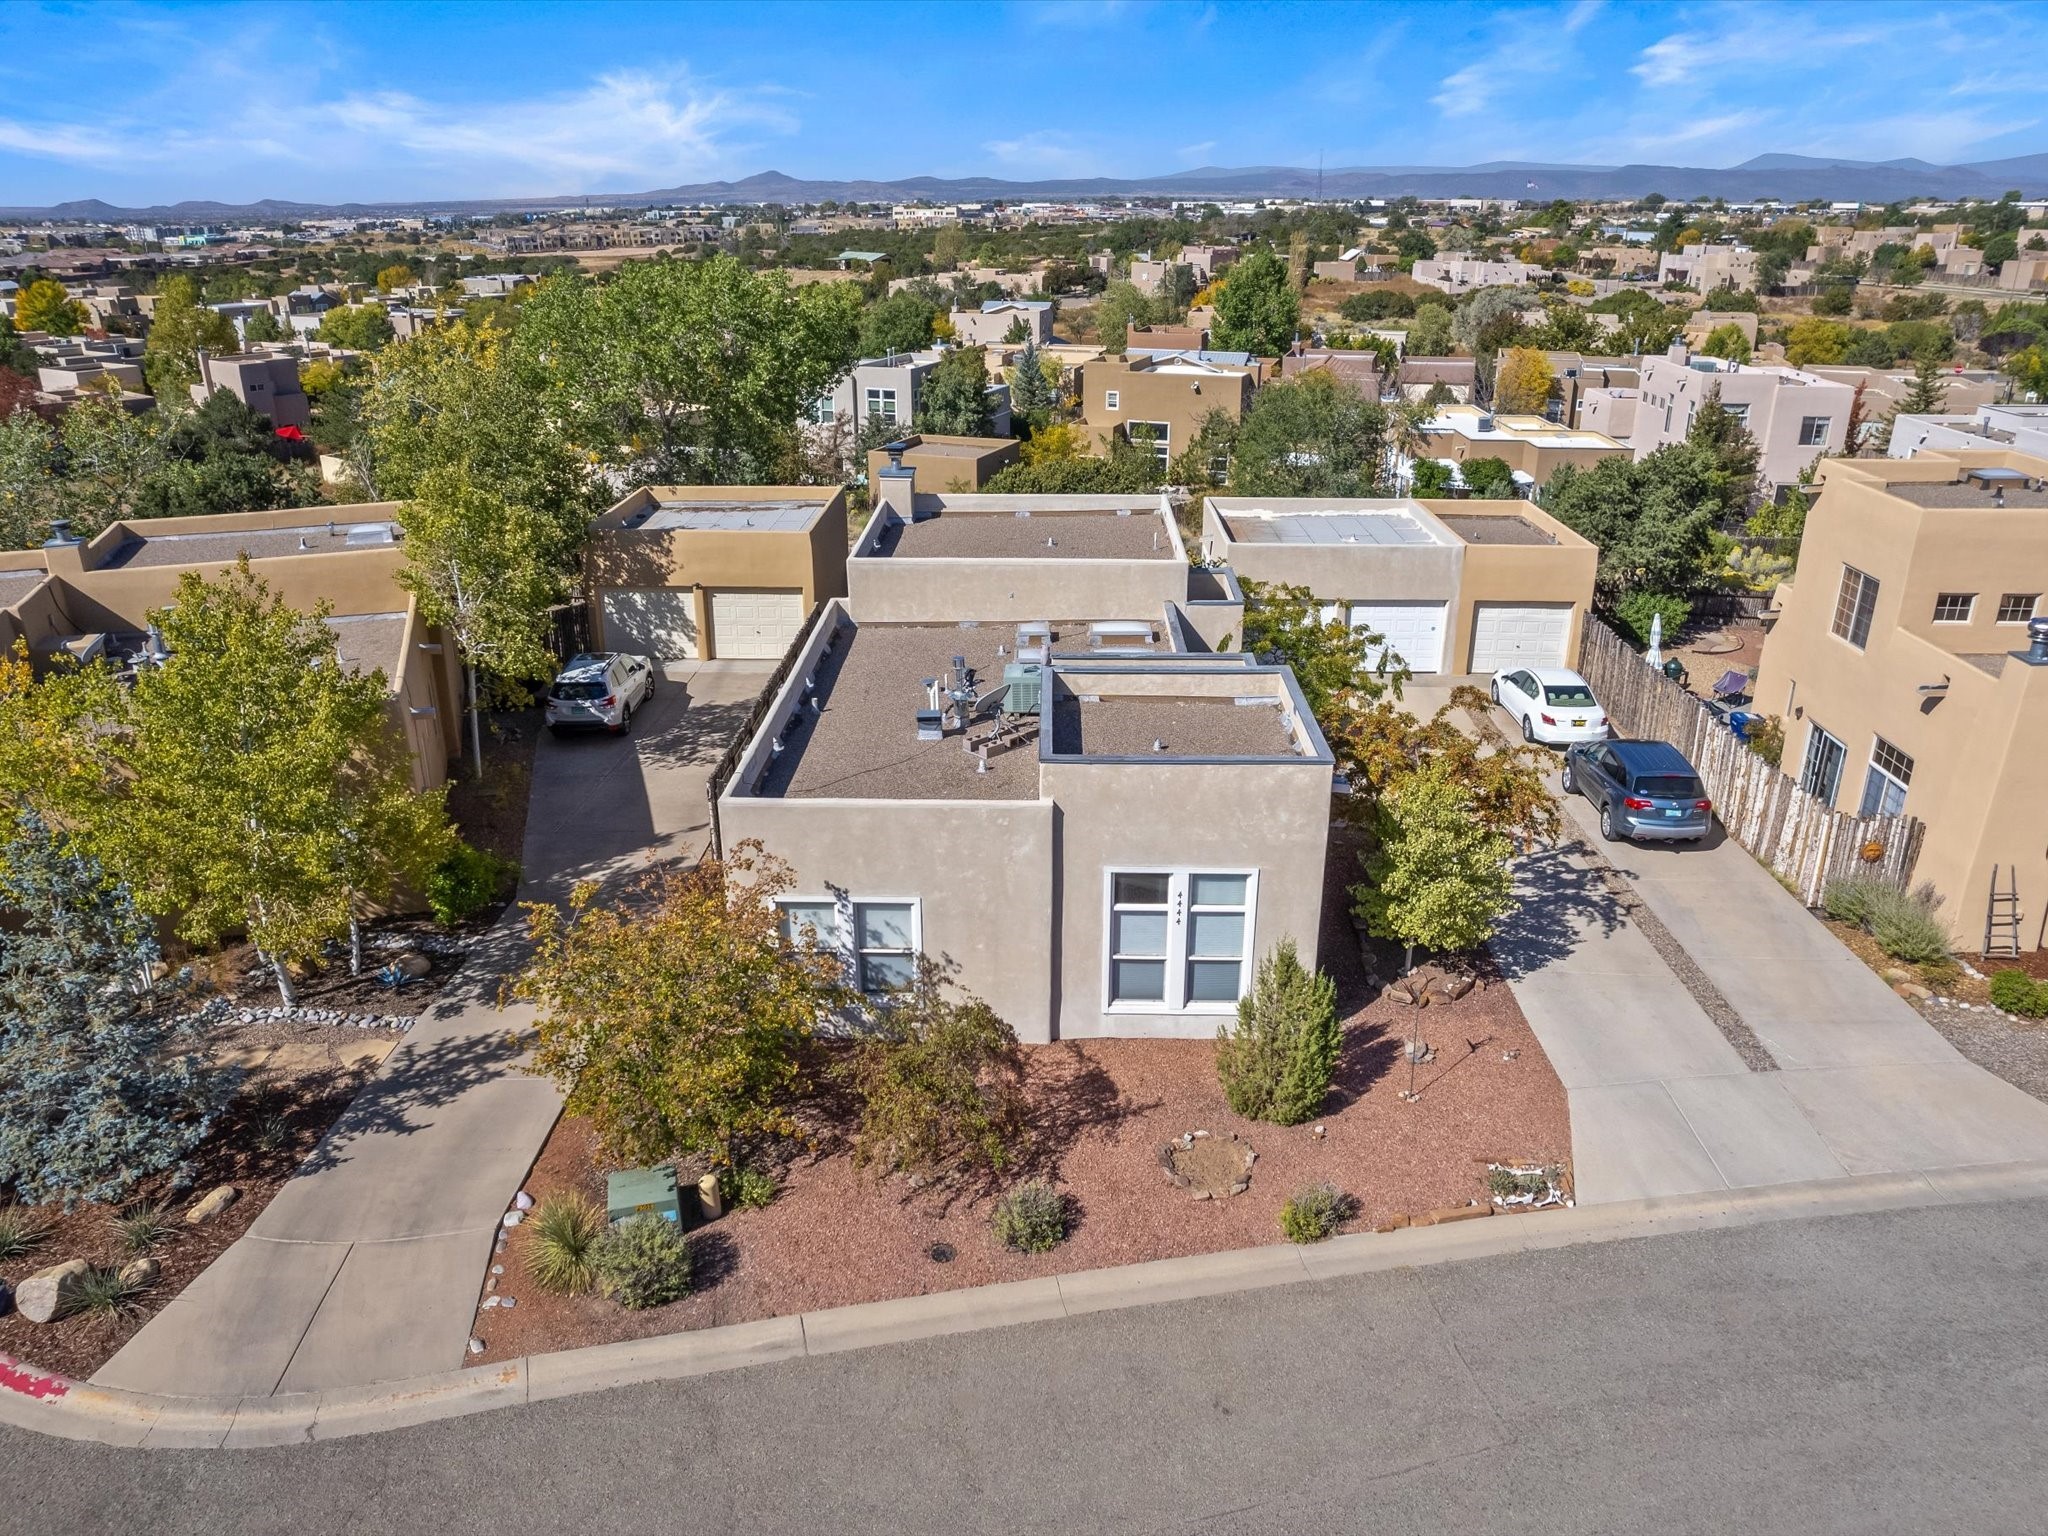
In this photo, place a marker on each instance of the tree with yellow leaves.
(1523, 382)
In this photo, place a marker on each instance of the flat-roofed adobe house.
(1903, 661)
(91, 598)
(702, 572)
(1012, 747)
(1454, 587)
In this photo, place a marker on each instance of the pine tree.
(1031, 396)
(1277, 1063)
(1722, 433)
(103, 1081)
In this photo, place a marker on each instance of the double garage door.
(661, 622)
(1520, 635)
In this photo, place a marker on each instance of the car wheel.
(1607, 825)
(1494, 689)
(555, 731)
(1569, 784)
(625, 721)
(1528, 731)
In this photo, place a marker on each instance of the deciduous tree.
(47, 305)
(180, 328)
(1259, 308)
(1437, 877)
(674, 1021)
(1522, 384)
(954, 400)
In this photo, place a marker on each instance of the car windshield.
(1569, 695)
(575, 690)
(1669, 786)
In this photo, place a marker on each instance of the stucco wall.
(1264, 817)
(1517, 573)
(1339, 572)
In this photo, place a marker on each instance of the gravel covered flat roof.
(1475, 529)
(1963, 494)
(863, 745)
(1188, 727)
(226, 548)
(1139, 534)
(368, 642)
(15, 585)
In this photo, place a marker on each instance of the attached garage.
(754, 624)
(1520, 635)
(1414, 631)
(660, 622)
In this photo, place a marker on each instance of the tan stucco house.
(91, 598)
(703, 572)
(1164, 396)
(1454, 587)
(1532, 448)
(1897, 659)
(1012, 747)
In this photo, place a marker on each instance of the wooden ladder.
(2002, 916)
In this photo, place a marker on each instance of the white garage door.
(1414, 631)
(651, 621)
(759, 624)
(1520, 635)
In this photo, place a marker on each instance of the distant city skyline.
(147, 103)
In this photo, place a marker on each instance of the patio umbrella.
(1656, 654)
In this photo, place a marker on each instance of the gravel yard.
(1102, 1109)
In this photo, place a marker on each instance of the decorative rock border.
(336, 1016)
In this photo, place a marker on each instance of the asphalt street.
(1865, 1374)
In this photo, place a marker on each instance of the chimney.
(896, 483)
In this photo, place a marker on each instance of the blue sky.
(142, 103)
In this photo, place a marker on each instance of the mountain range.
(1789, 178)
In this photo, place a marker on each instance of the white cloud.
(624, 131)
(1196, 151)
(1525, 47)
(1045, 153)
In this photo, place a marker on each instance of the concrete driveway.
(1843, 1076)
(367, 1265)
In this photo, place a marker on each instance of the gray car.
(1644, 790)
(599, 692)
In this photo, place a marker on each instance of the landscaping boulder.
(414, 964)
(49, 1294)
(1448, 989)
(140, 1274)
(1404, 992)
(212, 1204)
(1913, 992)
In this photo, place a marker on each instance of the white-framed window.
(882, 404)
(2018, 607)
(1884, 787)
(1821, 774)
(885, 944)
(1112, 400)
(1739, 410)
(1954, 607)
(879, 940)
(1813, 431)
(822, 411)
(1158, 433)
(1177, 940)
(1854, 605)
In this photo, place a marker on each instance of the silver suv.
(599, 693)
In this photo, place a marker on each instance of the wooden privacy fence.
(1792, 833)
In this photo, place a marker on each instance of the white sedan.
(1552, 705)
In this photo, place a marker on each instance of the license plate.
(1578, 725)
(1674, 815)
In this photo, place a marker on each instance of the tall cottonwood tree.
(687, 372)
(497, 499)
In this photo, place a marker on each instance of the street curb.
(76, 1410)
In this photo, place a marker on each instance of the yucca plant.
(561, 1253)
(103, 1293)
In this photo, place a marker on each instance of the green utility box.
(636, 1191)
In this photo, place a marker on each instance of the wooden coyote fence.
(1792, 833)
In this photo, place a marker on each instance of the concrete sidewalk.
(367, 1265)
(1661, 1102)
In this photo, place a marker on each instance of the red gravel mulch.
(1103, 1108)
